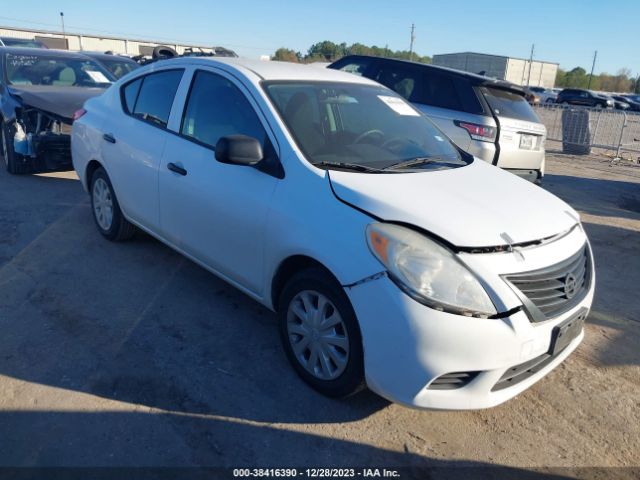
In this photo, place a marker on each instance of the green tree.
(326, 50)
(287, 55)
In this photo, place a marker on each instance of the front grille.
(451, 381)
(554, 290)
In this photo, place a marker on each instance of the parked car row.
(588, 98)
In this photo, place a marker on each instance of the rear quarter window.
(510, 105)
(152, 98)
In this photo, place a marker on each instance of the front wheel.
(106, 210)
(320, 333)
(14, 162)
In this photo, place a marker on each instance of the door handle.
(177, 169)
(109, 138)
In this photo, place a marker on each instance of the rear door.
(521, 135)
(134, 141)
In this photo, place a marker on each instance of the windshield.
(16, 42)
(118, 67)
(34, 69)
(510, 104)
(360, 125)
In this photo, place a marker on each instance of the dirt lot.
(129, 355)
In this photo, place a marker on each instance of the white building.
(516, 70)
(93, 42)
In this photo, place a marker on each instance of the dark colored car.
(118, 65)
(585, 98)
(486, 117)
(21, 42)
(40, 91)
(634, 104)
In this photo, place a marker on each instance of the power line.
(413, 37)
(593, 66)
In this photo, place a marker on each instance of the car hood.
(60, 101)
(470, 207)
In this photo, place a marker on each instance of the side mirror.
(239, 150)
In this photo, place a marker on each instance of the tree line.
(327, 51)
(623, 81)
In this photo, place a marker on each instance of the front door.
(216, 212)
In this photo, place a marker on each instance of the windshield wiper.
(413, 162)
(348, 166)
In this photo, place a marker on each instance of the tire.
(106, 210)
(14, 162)
(340, 346)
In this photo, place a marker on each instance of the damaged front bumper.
(44, 149)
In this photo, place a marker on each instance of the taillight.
(478, 132)
(78, 113)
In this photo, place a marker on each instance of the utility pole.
(62, 21)
(530, 62)
(413, 37)
(593, 66)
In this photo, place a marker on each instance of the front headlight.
(428, 270)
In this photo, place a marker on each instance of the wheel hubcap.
(318, 335)
(102, 204)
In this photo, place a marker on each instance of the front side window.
(215, 109)
(357, 67)
(400, 79)
(510, 104)
(150, 98)
(339, 124)
(60, 71)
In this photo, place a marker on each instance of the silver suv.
(488, 118)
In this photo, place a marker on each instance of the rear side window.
(446, 91)
(510, 105)
(130, 94)
(216, 109)
(440, 91)
(153, 97)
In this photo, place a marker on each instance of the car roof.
(45, 52)
(107, 56)
(273, 70)
(475, 78)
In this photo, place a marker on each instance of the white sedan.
(392, 258)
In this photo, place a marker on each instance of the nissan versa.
(392, 258)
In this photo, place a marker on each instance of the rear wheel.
(106, 210)
(14, 162)
(320, 333)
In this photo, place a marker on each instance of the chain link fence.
(580, 130)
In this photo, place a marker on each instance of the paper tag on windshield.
(398, 105)
(97, 77)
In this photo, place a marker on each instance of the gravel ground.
(129, 355)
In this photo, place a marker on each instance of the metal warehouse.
(517, 70)
(94, 42)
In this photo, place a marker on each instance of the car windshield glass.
(21, 43)
(119, 68)
(510, 104)
(350, 125)
(34, 69)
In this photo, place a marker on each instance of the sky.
(563, 31)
